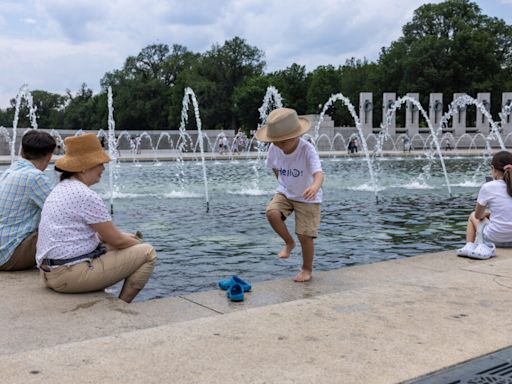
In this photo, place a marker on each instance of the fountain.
(410, 218)
(392, 111)
(112, 145)
(189, 95)
(23, 93)
(348, 104)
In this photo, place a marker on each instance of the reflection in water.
(196, 249)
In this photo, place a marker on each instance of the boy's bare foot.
(286, 251)
(303, 276)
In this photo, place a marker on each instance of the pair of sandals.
(235, 288)
(479, 251)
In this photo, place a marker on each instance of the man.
(23, 190)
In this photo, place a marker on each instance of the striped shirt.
(23, 190)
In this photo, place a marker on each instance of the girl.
(490, 225)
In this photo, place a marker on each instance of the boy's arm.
(311, 191)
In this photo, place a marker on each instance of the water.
(196, 249)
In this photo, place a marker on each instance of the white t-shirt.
(493, 195)
(64, 230)
(295, 170)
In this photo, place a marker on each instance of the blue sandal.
(235, 292)
(226, 284)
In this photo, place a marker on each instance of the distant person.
(297, 166)
(448, 146)
(79, 248)
(102, 142)
(234, 145)
(221, 144)
(23, 189)
(407, 144)
(490, 225)
(58, 148)
(225, 143)
(352, 145)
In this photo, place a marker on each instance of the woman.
(79, 249)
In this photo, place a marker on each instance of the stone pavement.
(380, 323)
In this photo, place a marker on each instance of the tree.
(248, 98)
(142, 87)
(50, 107)
(292, 84)
(227, 67)
(324, 81)
(448, 47)
(79, 113)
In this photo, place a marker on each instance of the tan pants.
(134, 264)
(24, 256)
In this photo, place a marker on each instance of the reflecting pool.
(165, 201)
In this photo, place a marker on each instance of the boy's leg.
(307, 221)
(277, 211)
(275, 218)
(308, 251)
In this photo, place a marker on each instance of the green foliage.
(448, 47)
(292, 83)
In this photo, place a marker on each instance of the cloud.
(68, 65)
(57, 44)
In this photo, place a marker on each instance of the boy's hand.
(310, 193)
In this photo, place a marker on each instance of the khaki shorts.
(307, 215)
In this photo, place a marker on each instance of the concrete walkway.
(380, 323)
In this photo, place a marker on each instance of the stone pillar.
(412, 116)
(506, 118)
(482, 122)
(459, 118)
(435, 108)
(366, 112)
(388, 98)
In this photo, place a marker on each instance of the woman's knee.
(148, 251)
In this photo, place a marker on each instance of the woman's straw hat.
(82, 152)
(283, 124)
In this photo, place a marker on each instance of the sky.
(54, 45)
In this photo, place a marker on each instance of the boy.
(297, 167)
(23, 189)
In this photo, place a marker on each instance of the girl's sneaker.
(466, 250)
(483, 251)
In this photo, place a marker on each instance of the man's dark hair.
(36, 144)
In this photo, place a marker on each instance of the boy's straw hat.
(283, 124)
(82, 152)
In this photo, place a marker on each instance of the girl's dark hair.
(36, 144)
(499, 161)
